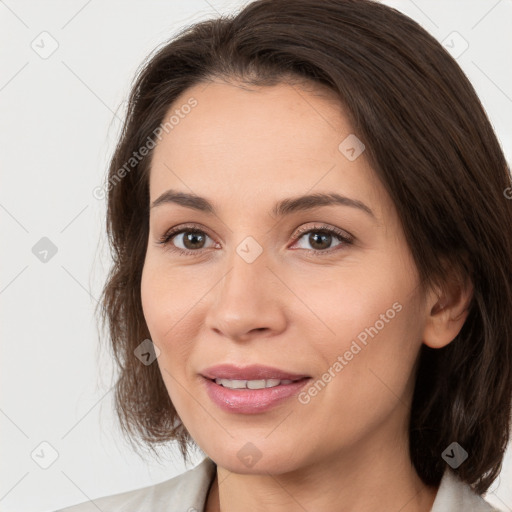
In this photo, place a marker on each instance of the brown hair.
(430, 143)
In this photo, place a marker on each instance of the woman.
(309, 221)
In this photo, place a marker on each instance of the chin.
(250, 460)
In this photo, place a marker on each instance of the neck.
(375, 476)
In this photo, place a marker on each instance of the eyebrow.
(284, 207)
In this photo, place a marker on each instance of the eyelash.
(343, 237)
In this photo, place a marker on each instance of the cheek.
(168, 302)
(374, 301)
(345, 302)
(367, 370)
(368, 312)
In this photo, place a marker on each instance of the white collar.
(188, 492)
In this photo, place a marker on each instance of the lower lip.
(251, 401)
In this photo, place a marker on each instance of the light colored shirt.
(188, 492)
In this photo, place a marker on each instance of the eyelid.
(344, 235)
(165, 239)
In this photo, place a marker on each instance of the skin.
(347, 449)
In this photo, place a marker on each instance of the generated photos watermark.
(174, 119)
(343, 360)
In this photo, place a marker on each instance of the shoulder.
(454, 495)
(184, 493)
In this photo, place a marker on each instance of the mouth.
(254, 384)
(251, 389)
(254, 375)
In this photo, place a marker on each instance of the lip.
(250, 401)
(251, 372)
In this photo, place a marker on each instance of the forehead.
(272, 141)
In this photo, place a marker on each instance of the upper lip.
(251, 372)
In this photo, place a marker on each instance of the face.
(327, 293)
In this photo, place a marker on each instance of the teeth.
(251, 384)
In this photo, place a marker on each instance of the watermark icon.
(44, 455)
(249, 249)
(455, 44)
(351, 147)
(45, 45)
(137, 156)
(147, 352)
(44, 250)
(454, 455)
(508, 193)
(249, 454)
(305, 396)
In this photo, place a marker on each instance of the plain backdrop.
(65, 72)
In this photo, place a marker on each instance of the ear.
(446, 312)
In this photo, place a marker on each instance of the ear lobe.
(446, 314)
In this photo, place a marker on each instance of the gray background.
(60, 117)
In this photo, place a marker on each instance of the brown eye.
(320, 239)
(185, 240)
(193, 239)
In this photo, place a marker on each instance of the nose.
(248, 300)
